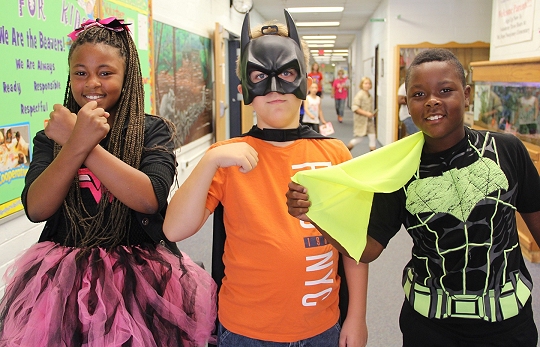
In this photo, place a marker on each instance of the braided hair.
(91, 230)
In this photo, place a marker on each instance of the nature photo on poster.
(183, 81)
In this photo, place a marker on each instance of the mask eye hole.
(256, 76)
(289, 75)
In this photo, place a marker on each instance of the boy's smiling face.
(437, 100)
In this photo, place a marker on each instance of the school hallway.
(385, 294)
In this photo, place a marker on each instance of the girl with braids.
(103, 273)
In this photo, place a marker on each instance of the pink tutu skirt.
(131, 296)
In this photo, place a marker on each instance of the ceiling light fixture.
(317, 24)
(320, 41)
(314, 9)
(319, 37)
(320, 45)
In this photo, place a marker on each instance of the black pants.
(419, 331)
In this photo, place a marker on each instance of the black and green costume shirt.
(459, 209)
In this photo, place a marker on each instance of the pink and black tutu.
(130, 296)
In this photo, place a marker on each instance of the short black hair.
(437, 54)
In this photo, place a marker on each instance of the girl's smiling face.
(437, 100)
(96, 73)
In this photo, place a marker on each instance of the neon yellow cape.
(341, 195)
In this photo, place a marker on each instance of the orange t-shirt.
(281, 281)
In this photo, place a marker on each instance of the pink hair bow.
(111, 23)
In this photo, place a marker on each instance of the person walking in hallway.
(404, 116)
(340, 91)
(313, 114)
(317, 78)
(364, 116)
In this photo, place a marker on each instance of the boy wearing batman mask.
(281, 284)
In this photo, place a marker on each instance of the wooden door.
(220, 87)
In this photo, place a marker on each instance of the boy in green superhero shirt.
(467, 283)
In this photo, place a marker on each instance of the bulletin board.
(34, 46)
(33, 41)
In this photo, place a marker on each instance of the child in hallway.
(317, 78)
(280, 285)
(364, 117)
(404, 116)
(313, 115)
(103, 273)
(340, 90)
(467, 283)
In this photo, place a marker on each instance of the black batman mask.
(272, 54)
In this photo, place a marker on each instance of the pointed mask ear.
(291, 28)
(245, 36)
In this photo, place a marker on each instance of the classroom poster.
(34, 46)
(183, 81)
